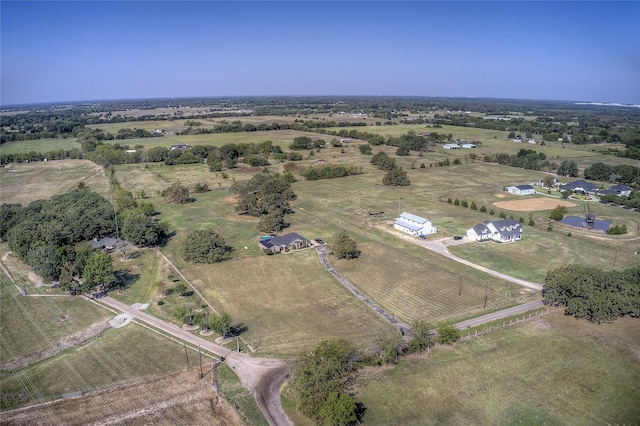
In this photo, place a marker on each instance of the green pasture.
(118, 356)
(554, 370)
(38, 145)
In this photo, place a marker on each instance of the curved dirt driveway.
(263, 377)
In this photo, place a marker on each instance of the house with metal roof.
(414, 225)
(619, 190)
(501, 231)
(580, 187)
(291, 241)
(521, 190)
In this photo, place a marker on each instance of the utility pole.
(399, 206)
(186, 355)
(460, 290)
(486, 294)
(613, 268)
(200, 354)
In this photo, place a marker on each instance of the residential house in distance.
(451, 146)
(414, 225)
(291, 241)
(521, 190)
(619, 190)
(501, 231)
(467, 145)
(181, 147)
(580, 187)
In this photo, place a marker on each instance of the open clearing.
(554, 370)
(532, 204)
(26, 182)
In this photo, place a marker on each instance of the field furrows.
(412, 289)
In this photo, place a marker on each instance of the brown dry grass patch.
(532, 204)
(179, 397)
(26, 182)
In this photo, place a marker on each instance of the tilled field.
(175, 399)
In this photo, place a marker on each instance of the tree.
(548, 182)
(558, 213)
(140, 229)
(396, 177)
(320, 373)
(338, 410)
(421, 336)
(98, 271)
(221, 324)
(204, 246)
(447, 333)
(176, 194)
(568, 168)
(345, 247)
(273, 222)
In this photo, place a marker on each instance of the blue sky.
(66, 51)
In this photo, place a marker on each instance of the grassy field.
(32, 325)
(554, 370)
(26, 182)
(39, 145)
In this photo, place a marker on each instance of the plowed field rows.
(424, 288)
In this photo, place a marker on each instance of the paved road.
(499, 314)
(263, 377)
(404, 328)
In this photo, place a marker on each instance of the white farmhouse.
(451, 146)
(501, 231)
(414, 225)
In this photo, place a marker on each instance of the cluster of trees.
(50, 235)
(320, 381)
(593, 294)
(568, 168)
(305, 142)
(321, 378)
(329, 172)
(265, 196)
(558, 212)
(623, 173)
(205, 246)
(633, 200)
(396, 175)
(525, 158)
(176, 194)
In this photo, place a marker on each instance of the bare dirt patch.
(532, 204)
(177, 398)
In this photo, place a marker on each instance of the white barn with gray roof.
(414, 225)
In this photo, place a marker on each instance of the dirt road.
(263, 377)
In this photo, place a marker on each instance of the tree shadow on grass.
(124, 279)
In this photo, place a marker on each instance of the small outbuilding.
(521, 190)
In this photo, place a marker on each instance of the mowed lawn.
(554, 370)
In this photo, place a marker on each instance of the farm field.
(39, 145)
(288, 302)
(26, 182)
(554, 370)
(33, 327)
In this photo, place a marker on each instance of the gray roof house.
(291, 241)
(521, 189)
(580, 186)
(502, 231)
